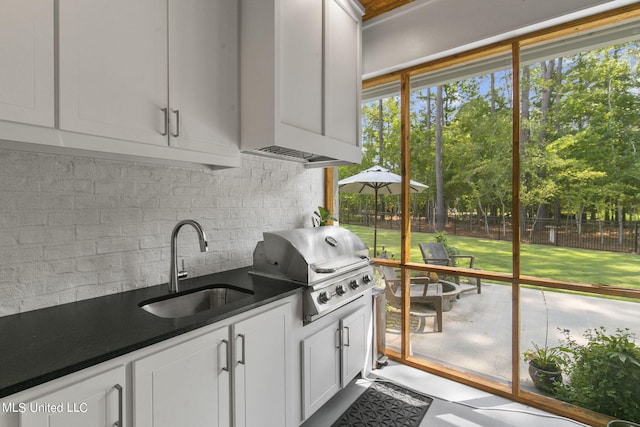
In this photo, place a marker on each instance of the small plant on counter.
(322, 217)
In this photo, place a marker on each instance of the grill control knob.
(354, 284)
(341, 290)
(367, 278)
(324, 297)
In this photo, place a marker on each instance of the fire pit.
(450, 292)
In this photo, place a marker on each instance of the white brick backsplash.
(36, 302)
(120, 216)
(17, 254)
(8, 274)
(13, 292)
(125, 244)
(96, 263)
(69, 250)
(45, 234)
(96, 201)
(97, 231)
(73, 228)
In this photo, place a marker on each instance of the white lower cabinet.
(185, 385)
(321, 368)
(332, 357)
(192, 383)
(232, 373)
(95, 401)
(261, 369)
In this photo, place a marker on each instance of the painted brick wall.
(73, 228)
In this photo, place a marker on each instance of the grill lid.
(308, 255)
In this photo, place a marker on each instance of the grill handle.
(323, 269)
(332, 268)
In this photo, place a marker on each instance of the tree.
(579, 140)
(441, 209)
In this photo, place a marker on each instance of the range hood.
(300, 81)
(293, 143)
(310, 160)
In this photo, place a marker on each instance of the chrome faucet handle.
(182, 274)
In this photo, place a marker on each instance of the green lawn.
(574, 265)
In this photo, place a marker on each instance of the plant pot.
(544, 379)
(621, 423)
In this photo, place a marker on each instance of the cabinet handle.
(226, 355)
(241, 361)
(177, 113)
(348, 336)
(338, 338)
(165, 111)
(120, 403)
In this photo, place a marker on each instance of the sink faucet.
(173, 274)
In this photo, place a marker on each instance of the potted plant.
(544, 366)
(545, 362)
(322, 217)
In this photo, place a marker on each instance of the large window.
(541, 189)
(372, 207)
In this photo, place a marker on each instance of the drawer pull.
(119, 423)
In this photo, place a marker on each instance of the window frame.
(377, 85)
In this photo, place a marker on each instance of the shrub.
(603, 374)
(451, 250)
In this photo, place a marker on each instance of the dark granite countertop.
(41, 345)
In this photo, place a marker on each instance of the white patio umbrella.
(377, 180)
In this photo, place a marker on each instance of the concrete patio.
(477, 335)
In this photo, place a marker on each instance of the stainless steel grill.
(332, 262)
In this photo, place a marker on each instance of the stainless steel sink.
(194, 301)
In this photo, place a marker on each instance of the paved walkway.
(477, 330)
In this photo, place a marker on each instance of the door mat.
(386, 405)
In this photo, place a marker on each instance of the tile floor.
(454, 404)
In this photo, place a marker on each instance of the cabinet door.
(354, 344)
(97, 401)
(203, 71)
(184, 385)
(301, 80)
(321, 368)
(261, 363)
(342, 71)
(113, 68)
(26, 61)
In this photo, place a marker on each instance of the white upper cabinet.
(203, 75)
(113, 72)
(151, 73)
(300, 78)
(27, 61)
(301, 85)
(342, 69)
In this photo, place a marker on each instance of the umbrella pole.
(375, 224)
